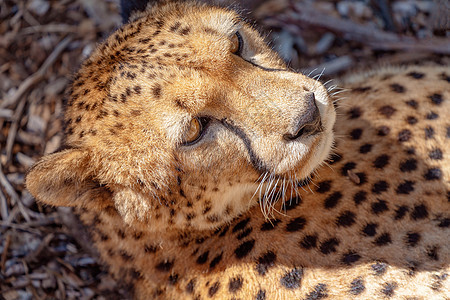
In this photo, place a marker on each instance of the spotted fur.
(251, 210)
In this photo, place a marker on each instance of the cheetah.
(204, 167)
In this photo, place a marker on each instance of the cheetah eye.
(236, 43)
(195, 131)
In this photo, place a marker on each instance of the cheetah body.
(204, 220)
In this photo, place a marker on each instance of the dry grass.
(43, 42)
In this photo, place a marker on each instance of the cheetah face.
(178, 119)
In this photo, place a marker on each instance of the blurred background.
(43, 252)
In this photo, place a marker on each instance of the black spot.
(354, 113)
(355, 134)
(370, 229)
(346, 219)
(185, 31)
(419, 212)
(150, 249)
(362, 89)
(350, 257)
(173, 279)
(400, 212)
(215, 261)
(365, 148)
(432, 116)
(235, 284)
(408, 165)
(379, 268)
(416, 75)
(323, 186)
(360, 197)
(329, 246)
(379, 206)
(357, 286)
(412, 103)
(291, 203)
(121, 233)
(156, 90)
(123, 98)
(379, 187)
(389, 288)
(270, 225)
(335, 157)
(213, 289)
(175, 26)
(125, 256)
(436, 154)
(137, 235)
(203, 258)
(387, 111)
(309, 242)
(240, 225)
(261, 295)
(411, 120)
(404, 135)
(319, 292)
(433, 174)
(429, 132)
(405, 188)
(332, 200)
(444, 77)
(383, 239)
(244, 248)
(292, 279)
(436, 99)
(190, 286)
(244, 233)
(395, 87)
(438, 281)
(296, 224)
(164, 266)
(412, 238)
(381, 161)
(444, 223)
(383, 130)
(410, 150)
(432, 253)
(265, 262)
(348, 166)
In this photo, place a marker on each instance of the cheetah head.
(184, 118)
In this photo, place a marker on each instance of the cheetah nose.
(309, 122)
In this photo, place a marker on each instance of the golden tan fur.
(185, 221)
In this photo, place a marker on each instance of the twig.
(3, 206)
(375, 38)
(5, 252)
(39, 75)
(12, 193)
(34, 255)
(13, 129)
(49, 28)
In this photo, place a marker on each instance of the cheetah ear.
(65, 178)
(129, 7)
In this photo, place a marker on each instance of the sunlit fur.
(126, 134)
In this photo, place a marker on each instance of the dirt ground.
(43, 42)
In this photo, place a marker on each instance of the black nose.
(309, 122)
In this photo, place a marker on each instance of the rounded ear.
(66, 178)
(129, 7)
